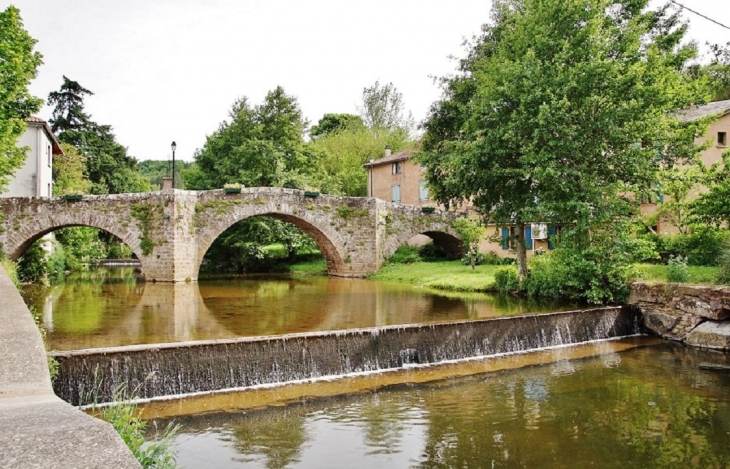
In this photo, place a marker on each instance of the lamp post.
(174, 147)
(372, 160)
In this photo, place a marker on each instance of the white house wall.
(35, 177)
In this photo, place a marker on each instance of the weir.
(177, 369)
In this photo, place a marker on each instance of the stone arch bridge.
(170, 231)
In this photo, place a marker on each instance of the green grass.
(658, 273)
(309, 267)
(444, 275)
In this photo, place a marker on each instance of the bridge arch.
(43, 223)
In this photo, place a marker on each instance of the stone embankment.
(698, 315)
(37, 429)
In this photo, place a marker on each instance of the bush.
(405, 255)
(702, 247)
(724, 275)
(506, 280)
(429, 252)
(32, 265)
(593, 265)
(677, 270)
(478, 258)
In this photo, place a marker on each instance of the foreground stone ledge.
(37, 429)
(698, 315)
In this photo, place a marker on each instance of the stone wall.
(697, 315)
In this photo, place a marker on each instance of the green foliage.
(148, 216)
(32, 265)
(405, 255)
(593, 265)
(339, 157)
(677, 270)
(658, 273)
(429, 252)
(69, 172)
(443, 275)
(261, 146)
(702, 246)
(18, 67)
(383, 109)
(53, 365)
(543, 120)
(506, 280)
(155, 170)
(81, 246)
(107, 166)
(712, 207)
(333, 123)
(349, 213)
(723, 275)
(471, 232)
(125, 418)
(11, 268)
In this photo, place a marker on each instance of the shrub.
(477, 258)
(32, 266)
(405, 255)
(429, 252)
(506, 280)
(677, 270)
(702, 247)
(724, 275)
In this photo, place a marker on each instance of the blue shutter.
(505, 238)
(528, 237)
(552, 233)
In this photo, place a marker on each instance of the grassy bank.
(444, 275)
(658, 273)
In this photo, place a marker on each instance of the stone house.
(717, 139)
(395, 177)
(35, 177)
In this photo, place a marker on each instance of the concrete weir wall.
(204, 366)
(698, 315)
(37, 429)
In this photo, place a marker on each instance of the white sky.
(165, 70)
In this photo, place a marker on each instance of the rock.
(710, 334)
(660, 323)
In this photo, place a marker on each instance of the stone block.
(659, 323)
(710, 334)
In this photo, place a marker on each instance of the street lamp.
(174, 147)
(372, 160)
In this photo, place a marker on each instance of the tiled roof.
(400, 156)
(37, 120)
(697, 112)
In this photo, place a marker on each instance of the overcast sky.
(165, 70)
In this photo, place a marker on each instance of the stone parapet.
(686, 313)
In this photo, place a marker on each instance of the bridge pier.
(170, 231)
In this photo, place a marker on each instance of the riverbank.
(455, 276)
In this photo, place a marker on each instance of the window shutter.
(528, 237)
(505, 238)
(396, 193)
(552, 233)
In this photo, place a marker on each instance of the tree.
(471, 232)
(261, 146)
(332, 123)
(108, 167)
(18, 66)
(68, 170)
(383, 108)
(547, 118)
(712, 207)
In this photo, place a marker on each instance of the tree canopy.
(18, 66)
(383, 108)
(332, 123)
(108, 167)
(558, 110)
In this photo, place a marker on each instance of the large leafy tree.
(558, 111)
(383, 108)
(260, 145)
(18, 66)
(108, 166)
(332, 123)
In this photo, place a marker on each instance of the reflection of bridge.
(170, 231)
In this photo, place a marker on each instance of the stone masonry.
(171, 230)
(697, 315)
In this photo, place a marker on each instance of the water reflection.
(647, 407)
(113, 307)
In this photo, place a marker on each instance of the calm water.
(110, 307)
(646, 407)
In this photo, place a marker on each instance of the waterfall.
(203, 366)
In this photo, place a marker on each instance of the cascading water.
(205, 366)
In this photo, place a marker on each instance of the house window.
(422, 190)
(397, 167)
(722, 139)
(48, 152)
(49, 190)
(395, 192)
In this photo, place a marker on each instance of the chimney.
(166, 183)
(387, 151)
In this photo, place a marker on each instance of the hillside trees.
(18, 66)
(108, 167)
(549, 117)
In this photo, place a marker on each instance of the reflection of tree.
(384, 417)
(277, 435)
